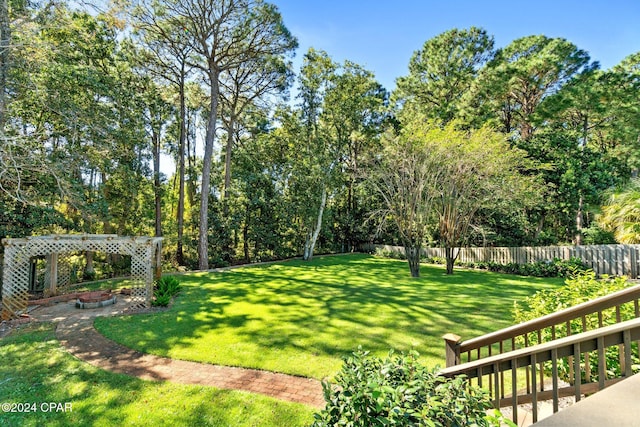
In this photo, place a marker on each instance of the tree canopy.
(478, 145)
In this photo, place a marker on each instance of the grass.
(302, 317)
(35, 369)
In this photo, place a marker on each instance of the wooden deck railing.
(536, 340)
(555, 325)
(574, 348)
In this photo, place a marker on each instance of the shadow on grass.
(37, 371)
(304, 317)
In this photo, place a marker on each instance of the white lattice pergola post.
(144, 252)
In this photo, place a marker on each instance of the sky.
(382, 35)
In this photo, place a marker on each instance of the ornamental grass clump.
(165, 288)
(398, 391)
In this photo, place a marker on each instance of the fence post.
(452, 349)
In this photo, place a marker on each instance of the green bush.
(584, 286)
(386, 253)
(398, 391)
(554, 268)
(165, 288)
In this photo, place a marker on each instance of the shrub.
(388, 253)
(165, 288)
(555, 268)
(584, 286)
(398, 391)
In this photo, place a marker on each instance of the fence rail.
(617, 260)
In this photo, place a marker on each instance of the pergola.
(145, 255)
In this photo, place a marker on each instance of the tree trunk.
(181, 145)
(313, 238)
(413, 258)
(227, 161)
(203, 231)
(579, 223)
(451, 259)
(5, 41)
(155, 136)
(89, 271)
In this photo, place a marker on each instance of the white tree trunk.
(310, 244)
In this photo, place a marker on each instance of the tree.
(621, 213)
(480, 170)
(225, 35)
(353, 115)
(437, 179)
(510, 88)
(243, 87)
(443, 71)
(404, 175)
(165, 57)
(314, 160)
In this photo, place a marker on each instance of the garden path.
(76, 333)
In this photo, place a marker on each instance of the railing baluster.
(479, 375)
(496, 370)
(501, 373)
(621, 350)
(600, 324)
(541, 367)
(577, 378)
(528, 371)
(587, 363)
(554, 380)
(514, 389)
(491, 385)
(626, 337)
(602, 363)
(553, 332)
(570, 358)
(636, 309)
(534, 389)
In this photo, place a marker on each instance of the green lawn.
(36, 370)
(302, 318)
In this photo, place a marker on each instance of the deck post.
(452, 349)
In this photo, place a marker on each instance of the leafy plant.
(554, 268)
(398, 391)
(165, 288)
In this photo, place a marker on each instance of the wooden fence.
(617, 260)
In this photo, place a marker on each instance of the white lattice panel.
(18, 252)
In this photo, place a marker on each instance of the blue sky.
(382, 35)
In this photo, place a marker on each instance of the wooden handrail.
(612, 335)
(570, 347)
(571, 313)
(456, 348)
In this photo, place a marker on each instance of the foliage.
(582, 287)
(398, 391)
(443, 71)
(89, 100)
(435, 180)
(164, 289)
(511, 87)
(621, 214)
(554, 268)
(405, 176)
